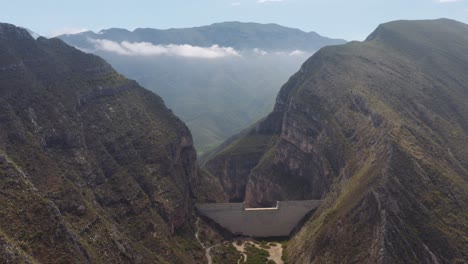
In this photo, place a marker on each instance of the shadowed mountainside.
(379, 129)
(93, 168)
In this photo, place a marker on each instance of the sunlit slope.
(379, 129)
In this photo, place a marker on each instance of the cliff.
(378, 129)
(93, 168)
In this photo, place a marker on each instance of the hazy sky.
(346, 19)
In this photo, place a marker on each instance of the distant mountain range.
(219, 79)
(240, 36)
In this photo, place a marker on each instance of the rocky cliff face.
(93, 168)
(378, 129)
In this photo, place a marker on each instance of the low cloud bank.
(146, 49)
(283, 53)
(149, 49)
(297, 53)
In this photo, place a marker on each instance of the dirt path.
(208, 254)
(207, 249)
(241, 249)
(197, 233)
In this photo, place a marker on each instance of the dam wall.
(277, 221)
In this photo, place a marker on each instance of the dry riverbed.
(256, 249)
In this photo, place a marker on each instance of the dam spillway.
(277, 221)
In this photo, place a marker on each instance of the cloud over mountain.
(67, 31)
(149, 49)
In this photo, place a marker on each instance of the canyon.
(365, 148)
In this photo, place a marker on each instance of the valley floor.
(240, 249)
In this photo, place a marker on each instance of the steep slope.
(377, 129)
(219, 78)
(93, 168)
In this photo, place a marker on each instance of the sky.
(346, 19)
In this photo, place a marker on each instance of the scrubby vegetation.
(256, 255)
(225, 253)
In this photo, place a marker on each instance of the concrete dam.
(277, 221)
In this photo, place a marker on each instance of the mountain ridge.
(205, 36)
(378, 130)
(93, 167)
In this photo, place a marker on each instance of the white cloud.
(149, 49)
(293, 53)
(235, 4)
(260, 52)
(297, 53)
(448, 1)
(268, 1)
(67, 31)
(32, 33)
